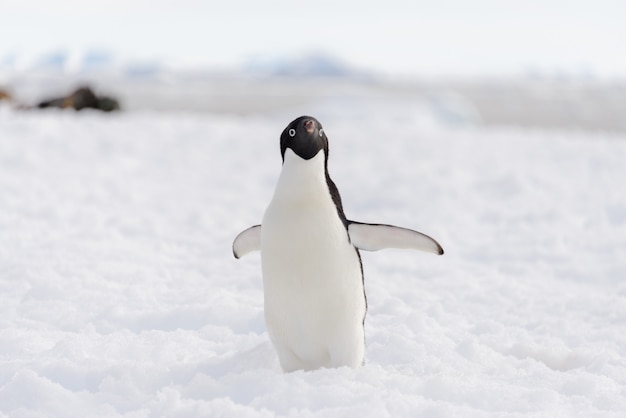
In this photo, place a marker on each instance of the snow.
(120, 296)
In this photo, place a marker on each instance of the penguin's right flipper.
(374, 237)
(247, 241)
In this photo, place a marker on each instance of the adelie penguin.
(314, 292)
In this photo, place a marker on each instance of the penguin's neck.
(302, 181)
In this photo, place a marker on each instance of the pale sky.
(444, 37)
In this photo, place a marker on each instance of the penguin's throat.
(302, 181)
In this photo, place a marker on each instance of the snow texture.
(120, 296)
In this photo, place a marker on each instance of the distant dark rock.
(83, 98)
(4, 95)
(108, 104)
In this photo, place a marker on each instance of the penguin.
(313, 283)
(82, 98)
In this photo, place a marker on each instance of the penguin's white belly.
(313, 288)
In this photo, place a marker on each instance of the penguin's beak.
(309, 126)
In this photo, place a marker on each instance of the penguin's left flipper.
(247, 241)
(374, 237)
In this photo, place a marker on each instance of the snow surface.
(119, 294)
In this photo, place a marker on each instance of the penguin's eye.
(292, 132)
(321, 132)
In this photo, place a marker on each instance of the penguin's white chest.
(313, 286)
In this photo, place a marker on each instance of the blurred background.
(546, 64)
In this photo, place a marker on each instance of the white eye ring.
(292, 132)
(321, 132)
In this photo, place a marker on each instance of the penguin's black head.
(305, 136)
